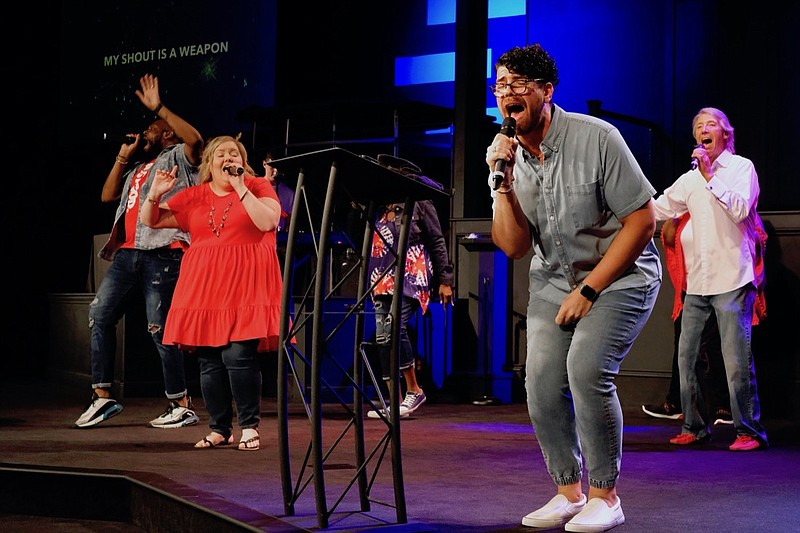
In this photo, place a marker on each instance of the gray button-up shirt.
(574, 200)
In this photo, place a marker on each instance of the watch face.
(588, 293)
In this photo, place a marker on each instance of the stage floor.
(466, 468)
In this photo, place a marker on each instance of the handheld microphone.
(126, 139)
(694, 160)
(233, 170)
(509, 129)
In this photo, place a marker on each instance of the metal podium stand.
(331, 183)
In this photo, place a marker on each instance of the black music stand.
(329, 181)
(483, 243)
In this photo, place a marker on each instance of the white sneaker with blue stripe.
(98, 410)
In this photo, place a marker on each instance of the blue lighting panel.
(494, 112)
(430, 68)
(508, 27)
(444, 11)
(441, 12)
(506, 8)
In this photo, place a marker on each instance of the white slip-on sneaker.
(556, 512)
(597, 516)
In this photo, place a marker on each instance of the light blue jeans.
(569, 380)
(734, 312)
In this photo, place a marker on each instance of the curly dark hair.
(531, 61)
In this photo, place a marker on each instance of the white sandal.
(250, 440)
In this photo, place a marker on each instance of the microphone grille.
(509, 126)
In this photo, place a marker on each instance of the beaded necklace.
(216, 230)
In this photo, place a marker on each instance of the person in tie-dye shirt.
(426, 260)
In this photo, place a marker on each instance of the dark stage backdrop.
(651, 64)
(645, 66)
(211, 59)
(648, 67)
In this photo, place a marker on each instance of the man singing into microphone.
(573, 192)
(143, 259)
(721, 249)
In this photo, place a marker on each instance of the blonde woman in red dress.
(226, 306)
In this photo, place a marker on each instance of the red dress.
(230, 284)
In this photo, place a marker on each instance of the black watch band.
(588, 292)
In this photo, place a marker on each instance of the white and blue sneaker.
(176, 416)
(98, 410)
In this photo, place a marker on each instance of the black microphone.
(694, 160)
(233, 170)
(509, 129)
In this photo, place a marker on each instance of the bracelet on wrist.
(122, 160)
(158, 108)
(244, 194)
(505, 190)
(154, 202)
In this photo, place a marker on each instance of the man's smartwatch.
(588, 292)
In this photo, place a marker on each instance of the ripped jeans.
(154, 273)
(383, 331)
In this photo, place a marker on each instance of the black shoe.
(723, 416)
(665, 410)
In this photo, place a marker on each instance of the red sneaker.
(744, 443)
(686, 438)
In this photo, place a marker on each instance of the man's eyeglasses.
(516, 87)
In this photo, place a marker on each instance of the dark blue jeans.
(154, 273)
(231, 373)
(383, 331)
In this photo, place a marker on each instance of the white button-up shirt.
(719, 240)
